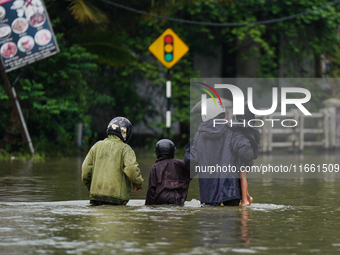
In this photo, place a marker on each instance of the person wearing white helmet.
(213, 109)
(217, 147)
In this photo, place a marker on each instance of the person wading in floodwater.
(253, 135)
(110, 167)
(169, 177)
(218, 145)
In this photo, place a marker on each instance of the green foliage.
(110, 49)
(291, 40)
(104, 68)
(152, 76)
(55, 94)
(5, 156)
(281, 49)
(84, 12)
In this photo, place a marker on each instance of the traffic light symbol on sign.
(168, 48)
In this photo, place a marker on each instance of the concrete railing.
(323, 132)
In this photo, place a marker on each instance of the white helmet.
(213, 108)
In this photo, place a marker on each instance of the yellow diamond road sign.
(168, 48)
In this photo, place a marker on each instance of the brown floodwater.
(44, 210)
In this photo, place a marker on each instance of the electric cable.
(267, 2)
(221, 24)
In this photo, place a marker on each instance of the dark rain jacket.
(252, 134)
(109, 169)
(218, 146)
(168, 182)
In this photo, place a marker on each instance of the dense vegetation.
(104, 68)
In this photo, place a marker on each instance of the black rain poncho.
(168, 182)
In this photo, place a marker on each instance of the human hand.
(137, 190)
(251, 163)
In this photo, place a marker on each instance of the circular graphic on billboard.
(5, 31)
(2, 12)
(37, 19)
(25, 43)
(19, 25)
(43, 37)
(8, 50)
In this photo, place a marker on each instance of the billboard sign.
(26, 34)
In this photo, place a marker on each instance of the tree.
(109, 69)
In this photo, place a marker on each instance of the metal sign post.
(17, 110)
(27, 36)
(168, 96)
(168, 49)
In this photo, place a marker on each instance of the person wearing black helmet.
(169, 177)
(110, 167)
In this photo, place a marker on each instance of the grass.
(21, 156)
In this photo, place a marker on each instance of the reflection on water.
(44, 210)
(75, 227)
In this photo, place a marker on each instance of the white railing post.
(332, 125)
(302, 132)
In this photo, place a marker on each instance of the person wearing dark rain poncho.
(169, 177)
(221, 146)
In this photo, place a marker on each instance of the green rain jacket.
(109, 169)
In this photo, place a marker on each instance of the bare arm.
(251, 163)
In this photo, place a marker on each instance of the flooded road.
(44, 210)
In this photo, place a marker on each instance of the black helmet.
(120, 127)
(165, 147)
